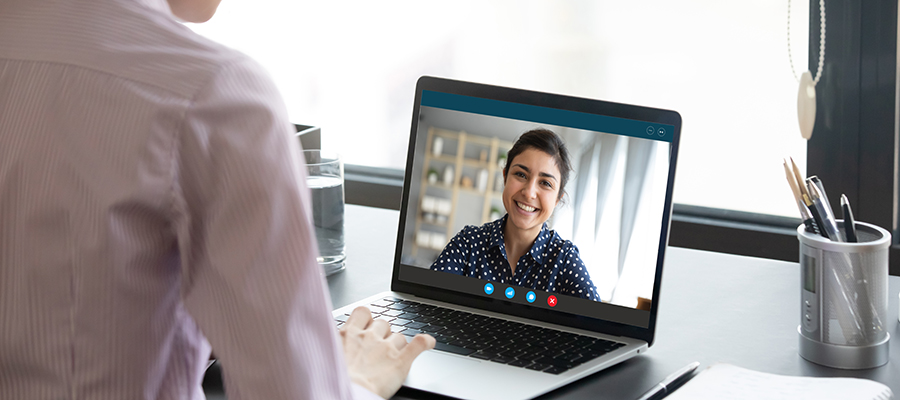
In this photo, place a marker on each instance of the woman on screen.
(518, 249)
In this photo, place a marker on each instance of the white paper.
(730, 382)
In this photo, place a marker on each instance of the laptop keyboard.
(486, 338)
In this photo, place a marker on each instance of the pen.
(816, 216)
(814, 180)
(849, 221)
(829, 224)
(670, 383)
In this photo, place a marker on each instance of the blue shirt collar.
(536, 251)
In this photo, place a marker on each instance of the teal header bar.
(545, 115)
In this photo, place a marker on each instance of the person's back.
(151, 198)
(89, 116)
(150, 188)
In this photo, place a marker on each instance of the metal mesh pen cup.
(844, 298)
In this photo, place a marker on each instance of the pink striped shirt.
(151, 198)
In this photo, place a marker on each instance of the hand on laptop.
(377, 358)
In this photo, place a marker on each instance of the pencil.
(801, 183)
(803, 204)
(792, 182)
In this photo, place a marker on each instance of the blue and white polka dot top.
(552, 264)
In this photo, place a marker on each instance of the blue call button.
(489, 288)
(510, 292)
(530, 296)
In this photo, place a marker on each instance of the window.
(350, 68)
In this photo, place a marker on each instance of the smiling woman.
(585, 201)
(519, 248)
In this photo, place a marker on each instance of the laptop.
(585, 295)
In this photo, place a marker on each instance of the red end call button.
(551, 301)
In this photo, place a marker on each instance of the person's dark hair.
(548, 142)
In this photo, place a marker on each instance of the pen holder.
(844, 298)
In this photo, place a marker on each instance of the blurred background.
(350, 67)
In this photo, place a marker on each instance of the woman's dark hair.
(547, 141)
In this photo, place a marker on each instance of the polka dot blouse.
(552, 264)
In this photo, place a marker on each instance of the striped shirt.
(151, 198)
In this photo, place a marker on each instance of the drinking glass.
(325, 178)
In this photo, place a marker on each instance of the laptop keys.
(411, 332)
(416, 325)
(490, 339)
(392, 313)
(408, 315)
(520, 363)
(382, 303)
(432, 328)
(386, 318)
(537, 366)
(377, 309)
(397, 329)
(397, 306)
(555, 370)
(453, 349)
(503, 359)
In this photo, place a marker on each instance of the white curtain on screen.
(606, 195)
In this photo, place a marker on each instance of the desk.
(713, 308)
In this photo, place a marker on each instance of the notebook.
(584, 293)
(730, 382)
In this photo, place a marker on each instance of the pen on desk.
(849, 221)
(798, 197)
(672, 381)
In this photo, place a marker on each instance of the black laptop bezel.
(654, 115)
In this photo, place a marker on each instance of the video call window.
(600, 241)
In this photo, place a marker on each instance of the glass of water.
(325, 178)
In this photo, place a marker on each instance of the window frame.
(857, 111)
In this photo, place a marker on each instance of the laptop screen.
(537, 202)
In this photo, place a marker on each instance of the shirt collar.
(536, 251)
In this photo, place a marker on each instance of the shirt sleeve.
(249, 274)
(453, 257)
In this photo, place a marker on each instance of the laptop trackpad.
(432, 371)
(468, 378)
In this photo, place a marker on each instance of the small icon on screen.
(650, 130)
(530, 296)
(551, 301)
(661, 132)
(510, 292)
(489, 288)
